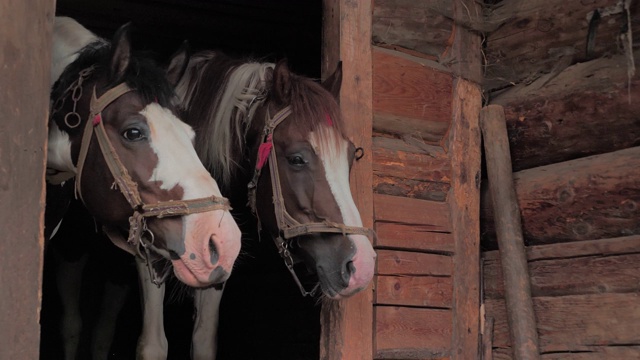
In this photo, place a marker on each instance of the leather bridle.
(289, 227)
(138, 229)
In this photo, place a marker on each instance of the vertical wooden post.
(522, 322)
(25, 62)
(464, 150)
(347, 325)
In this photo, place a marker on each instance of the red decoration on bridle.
(329, 121)
(263, 152)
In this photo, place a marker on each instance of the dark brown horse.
(116, 142)
(277, 141)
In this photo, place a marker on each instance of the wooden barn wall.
(24, 87)
(426, 164)
(565, 74)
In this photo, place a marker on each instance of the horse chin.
(184, 274)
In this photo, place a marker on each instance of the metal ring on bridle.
(359, 153)
(72, 125)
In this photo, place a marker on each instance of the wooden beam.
(577, 322)
(584, 267)
(347, 325)
(595, 197)
(533, 37)
(522, 322)
(25, 40)
(464, 204)
(589, 108)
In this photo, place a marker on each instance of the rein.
(123, 181)
(288, 226)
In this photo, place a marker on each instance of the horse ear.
(334, 82)
(121, 52)
(178, 64)
(282, 82)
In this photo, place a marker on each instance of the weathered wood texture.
(413, 237)
(347, 325)
(412, 333)
(410, 168)
(586, 267)
(507, 221)
(426, 291)
(410, 89)
(537, 37)
(419, 26)
(464, 204)
(585, 299)
(577, 322)
(587, 109)
(595, 197)
(25, 36)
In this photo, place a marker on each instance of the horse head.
(114, 128)
(303, 197)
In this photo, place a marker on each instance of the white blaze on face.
(178, 164)
(332, 149)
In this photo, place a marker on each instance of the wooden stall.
(416, 76)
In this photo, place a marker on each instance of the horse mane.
(142, 74)
(221, 95)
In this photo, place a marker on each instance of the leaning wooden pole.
(522, 322)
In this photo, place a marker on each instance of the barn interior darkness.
(263, 314)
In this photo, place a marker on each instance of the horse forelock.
(142, 74)
(219, 94)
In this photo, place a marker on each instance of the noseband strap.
(127, 186)
(288, 226)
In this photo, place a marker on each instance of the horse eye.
(296, 160)
(133, 134)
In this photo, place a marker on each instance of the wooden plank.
(423, 26)
(391, 262)
(413, 333)
(389, 160)
(411, 211)
(406, 87)
(616, 246)
(425, 291)
(412, 237)
(347, 38)
(588, 109)
(25, 40)
(464, 202)
(401, 125)
(584, 199)
(576, 322)
(572, 276)
(417, 189)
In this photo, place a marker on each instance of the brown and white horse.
(277, 140)
(116, 142)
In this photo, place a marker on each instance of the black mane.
(143, 74)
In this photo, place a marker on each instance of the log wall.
(565, 74)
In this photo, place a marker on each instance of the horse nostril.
(213, 251)
(348, 270)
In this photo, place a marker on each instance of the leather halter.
(128, 187)
(288, 226)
